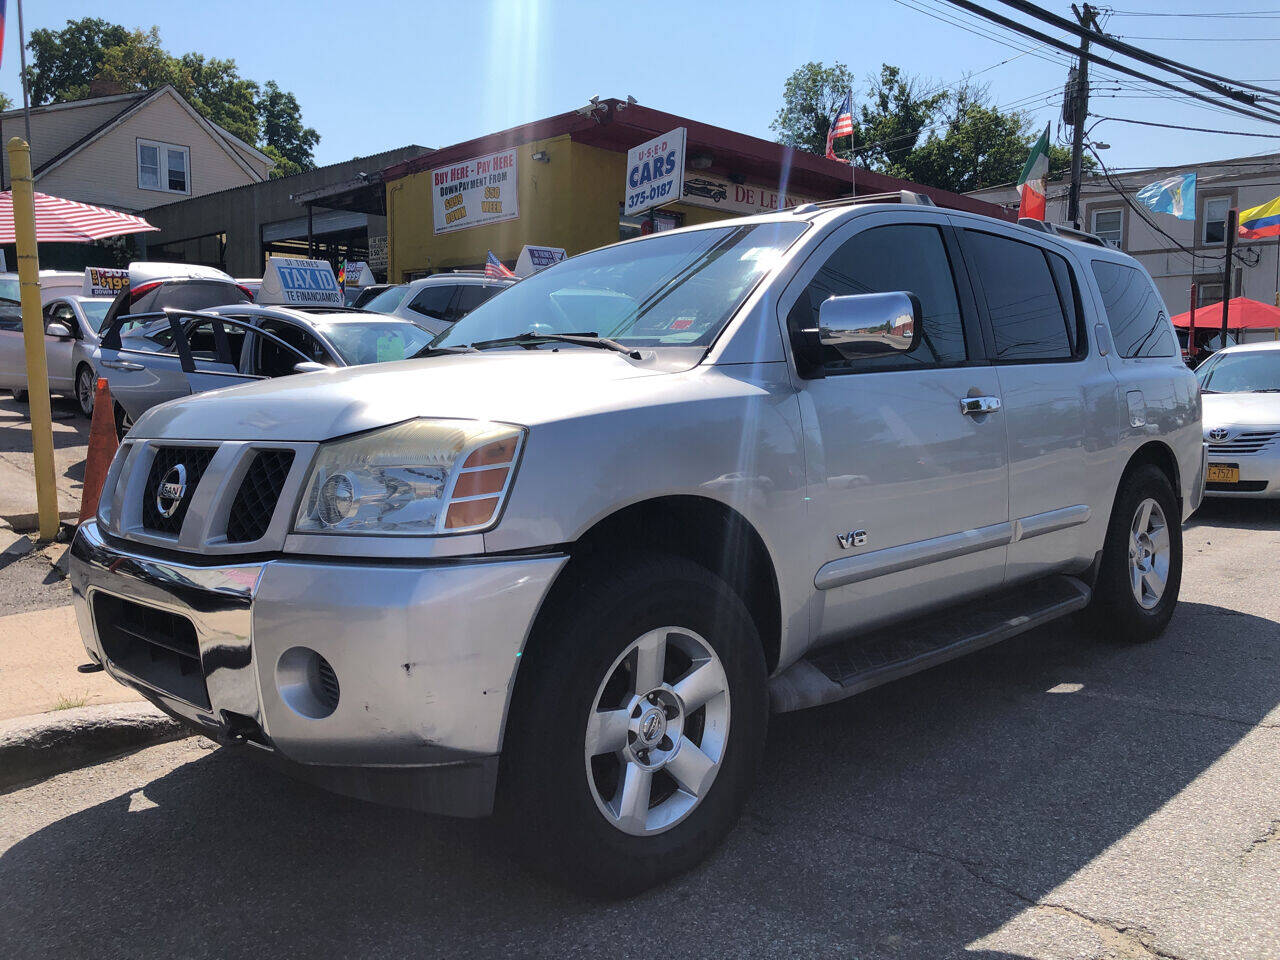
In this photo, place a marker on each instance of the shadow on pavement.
(910, 821)
(1239, 514)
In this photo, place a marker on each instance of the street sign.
(655, 172)
(294, 282)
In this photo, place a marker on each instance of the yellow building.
(561, 182)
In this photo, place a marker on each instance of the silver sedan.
(71, 331)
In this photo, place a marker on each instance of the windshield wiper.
(430, 351)
(582, 339)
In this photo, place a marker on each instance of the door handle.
(122, 365)
(977, 406)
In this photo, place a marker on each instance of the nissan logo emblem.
(173, 487)
(1218, 434)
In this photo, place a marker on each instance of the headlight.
(421, 477)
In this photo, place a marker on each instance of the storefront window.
(644, 224)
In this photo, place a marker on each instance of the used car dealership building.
(561, 182)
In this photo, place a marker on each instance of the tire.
(19, 395)
(86, 385)
(555, 802)
(123, 422)
(1116, 610)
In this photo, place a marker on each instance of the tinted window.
(203, 342)
(189, 295)
(433, 301)
(909, 257)
(1027, 314)
(275, 361)
(1135, 312)
(472, 295)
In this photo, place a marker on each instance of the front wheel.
(1141, 570)
(86, 389)
(19, 395)
(124, 422)
(637, 727)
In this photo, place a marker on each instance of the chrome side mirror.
(869, 324)
(309, 366)
(58, 330)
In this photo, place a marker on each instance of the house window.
(1215, 219)
(1207, 293)
(1108, 225)
(164, 166)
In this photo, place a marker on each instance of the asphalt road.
(17, 469)
(1052, 797)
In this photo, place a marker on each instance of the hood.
(513, 386)
(1241, 410)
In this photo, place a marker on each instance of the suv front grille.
(194, 461)
(156, 646)
(1245, 443)
(255, 501)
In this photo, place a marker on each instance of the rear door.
(13, 358)
(1029, 299)
(58, 351)
(908, 492)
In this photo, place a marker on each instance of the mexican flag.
(1031, 183)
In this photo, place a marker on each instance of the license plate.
(1224, 473)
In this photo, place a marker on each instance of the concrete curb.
(35, 747)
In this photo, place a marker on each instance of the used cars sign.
(655, 172)
(289, 281)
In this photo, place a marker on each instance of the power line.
(1061, 45)
(1133, 36)
(1178, 126)
(1263, 14)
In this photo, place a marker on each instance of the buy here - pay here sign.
(472, 192)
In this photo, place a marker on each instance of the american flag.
(494, 268)
(842, 126)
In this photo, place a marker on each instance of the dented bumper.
(418, 660)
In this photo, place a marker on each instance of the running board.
(868, 660)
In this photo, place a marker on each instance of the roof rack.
(1062, 230)
(894, 196)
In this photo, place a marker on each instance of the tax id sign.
(655, 172)
(476, 191)
(294, 282)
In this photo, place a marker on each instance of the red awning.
(67, 221)
(1242, 314)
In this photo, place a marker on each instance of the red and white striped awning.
(66, 221)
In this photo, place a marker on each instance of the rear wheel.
(85, 389)
(19, 395)
(637, 727)
(1141, 570)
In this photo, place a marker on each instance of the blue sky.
(376, 75)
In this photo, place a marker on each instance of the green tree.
(6, 102)
(810, 98)
(283, 132)
(216, 89)
(139, 62)
(64, 61)
(953, 138)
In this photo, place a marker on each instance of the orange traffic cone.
(102, 447)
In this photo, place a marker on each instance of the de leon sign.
(655, 171)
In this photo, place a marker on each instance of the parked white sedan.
(1241, 392)
(71, 326)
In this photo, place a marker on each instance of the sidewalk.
(17, 470)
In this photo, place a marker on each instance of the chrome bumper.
(425, 658)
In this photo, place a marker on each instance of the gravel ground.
(1051, 797)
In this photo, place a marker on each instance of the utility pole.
(1088, 19)
(1233, 223)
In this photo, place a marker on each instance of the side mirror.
(869, 324)
(309, 366)
(58, 330)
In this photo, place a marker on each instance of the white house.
(132, 151)
(1178, 252)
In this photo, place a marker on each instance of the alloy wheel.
(657, 731)
(85, 390)
(1149, 554)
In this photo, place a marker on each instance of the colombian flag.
(1259, 222)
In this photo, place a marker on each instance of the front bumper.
(1259, 475)
(424, 657)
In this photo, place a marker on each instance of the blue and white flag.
(1174, 195)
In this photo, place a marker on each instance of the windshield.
(676, 289)
(95, 311)
(1254, 371)
(387, 300)
(376, 341)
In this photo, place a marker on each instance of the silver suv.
(566, 566)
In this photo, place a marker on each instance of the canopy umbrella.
(67, 221)
(1242, 314)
